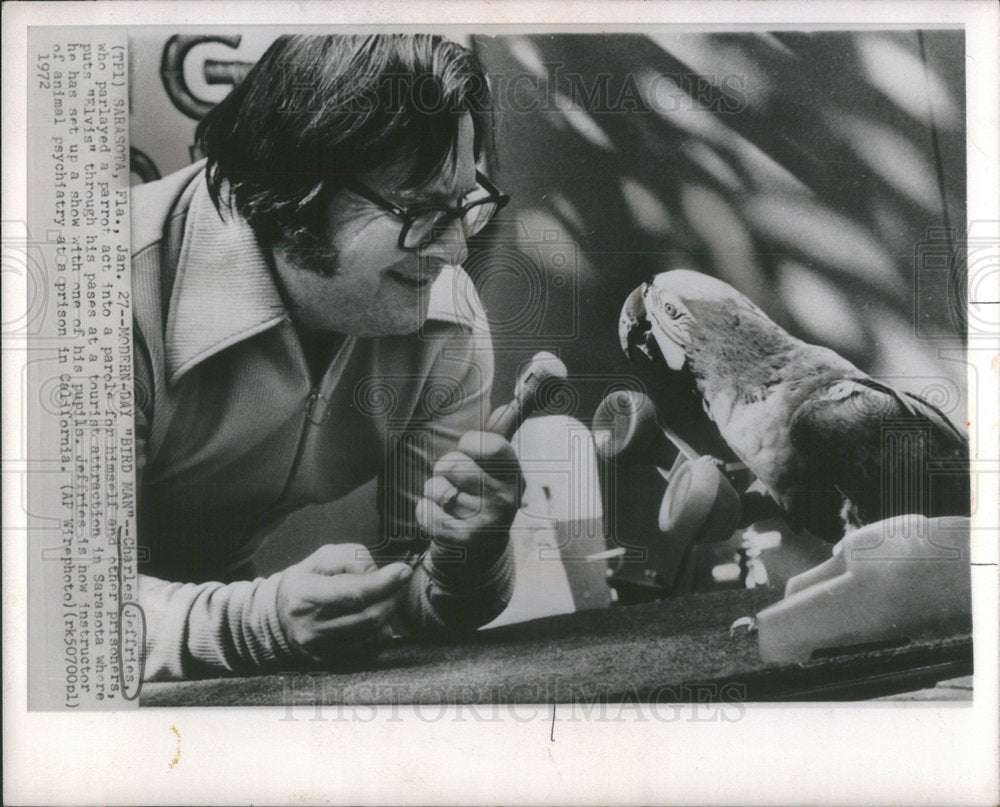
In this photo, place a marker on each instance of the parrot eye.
(671, 310)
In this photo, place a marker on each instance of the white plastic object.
(558, 536)
(894, 579)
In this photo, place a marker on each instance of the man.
(302, 326)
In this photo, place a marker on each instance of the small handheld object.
(543, 374)
(533, 385)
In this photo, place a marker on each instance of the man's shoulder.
(154, 204)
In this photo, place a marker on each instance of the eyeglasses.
(424, 223)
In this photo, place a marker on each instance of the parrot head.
(660, 312)
(693, 318)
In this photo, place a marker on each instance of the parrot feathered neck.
(735, 347)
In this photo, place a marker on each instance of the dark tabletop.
(678, 650)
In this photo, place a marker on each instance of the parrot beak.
(673, 354)
(638, 332)
(633, 324)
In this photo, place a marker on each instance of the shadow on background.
(805, 169)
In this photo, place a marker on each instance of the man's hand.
(472, 498)
(337, 603)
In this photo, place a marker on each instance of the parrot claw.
(634, 326)
(748, 622)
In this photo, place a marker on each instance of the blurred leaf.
(894, 230)
(729, 242)
(890, 155)
(527, 53)
(777, 46)
(565, 208)
(900, 73)
(583, 122)
(720, 63)
(672, 102)
(764, 170)
(708, 159)
(647, 210)
(816, 233)
(821, 310)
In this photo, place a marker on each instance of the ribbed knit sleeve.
(457, 598)
(213, 629)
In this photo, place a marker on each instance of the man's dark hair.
(317, 109)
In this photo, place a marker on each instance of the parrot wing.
(878, 452)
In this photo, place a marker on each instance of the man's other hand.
(336, 604)
(473, 496)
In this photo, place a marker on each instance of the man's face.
(375, 288)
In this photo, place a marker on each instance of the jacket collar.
(224, 290)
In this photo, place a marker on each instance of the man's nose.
(449, 244)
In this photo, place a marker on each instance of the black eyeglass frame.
(409, 216)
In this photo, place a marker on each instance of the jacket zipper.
(317, 410)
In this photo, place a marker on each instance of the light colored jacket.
(233, 434)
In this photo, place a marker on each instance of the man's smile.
(423, 277)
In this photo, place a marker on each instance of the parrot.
(833, 447)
